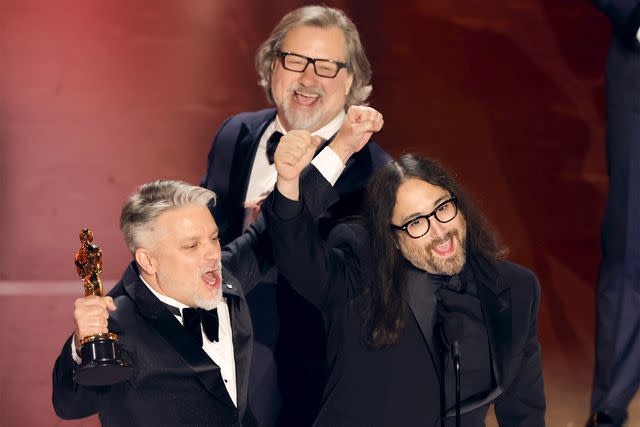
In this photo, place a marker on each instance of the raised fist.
(360, 123)
(295, 151)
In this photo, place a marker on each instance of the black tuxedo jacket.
(231, 159)
(399, 385)
(174, 381)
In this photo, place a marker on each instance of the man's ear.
(145, 261)
(348, 83)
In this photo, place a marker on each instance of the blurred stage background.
(98, 97)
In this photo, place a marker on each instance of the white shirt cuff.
(329, 165)
(638, 35)
(74, 354)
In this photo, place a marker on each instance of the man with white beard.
(313, 68)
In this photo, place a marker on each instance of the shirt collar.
(325, 132)
(165, 299)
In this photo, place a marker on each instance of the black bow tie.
(452, 283)
(272, 144)
(192, 318)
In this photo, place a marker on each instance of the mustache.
(312, 90)
(212, 266)
(440, 240)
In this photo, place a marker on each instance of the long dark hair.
(385, 296)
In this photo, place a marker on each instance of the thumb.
(110, 305)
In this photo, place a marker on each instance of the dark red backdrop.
(98, 97)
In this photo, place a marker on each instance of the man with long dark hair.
(406, 292)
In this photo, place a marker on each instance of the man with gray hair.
(180, 314)
(313, 68)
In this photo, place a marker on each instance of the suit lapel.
(243, 157)
(495, 300)
(238, 151)
(422, 302)
(242, 335)
(165, 324)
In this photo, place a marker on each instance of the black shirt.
(457, 298)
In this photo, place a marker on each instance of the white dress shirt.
(220, 352)
(263, 175)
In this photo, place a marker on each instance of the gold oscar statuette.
(103, 358)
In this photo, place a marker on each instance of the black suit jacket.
(174, 381)
(399, 385)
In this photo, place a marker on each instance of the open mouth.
(212, 278)
(445, 248)
(305, 98)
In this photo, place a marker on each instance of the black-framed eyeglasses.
(420, 225)
(322, 67)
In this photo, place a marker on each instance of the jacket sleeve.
(523, 403)
(321, 271)
(249, 256)
(71, 400)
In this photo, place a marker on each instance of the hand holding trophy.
(101, 354)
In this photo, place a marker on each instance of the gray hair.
(154, 198)
(322, 17)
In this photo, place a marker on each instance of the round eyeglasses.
(298, 63)
(420, 225)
